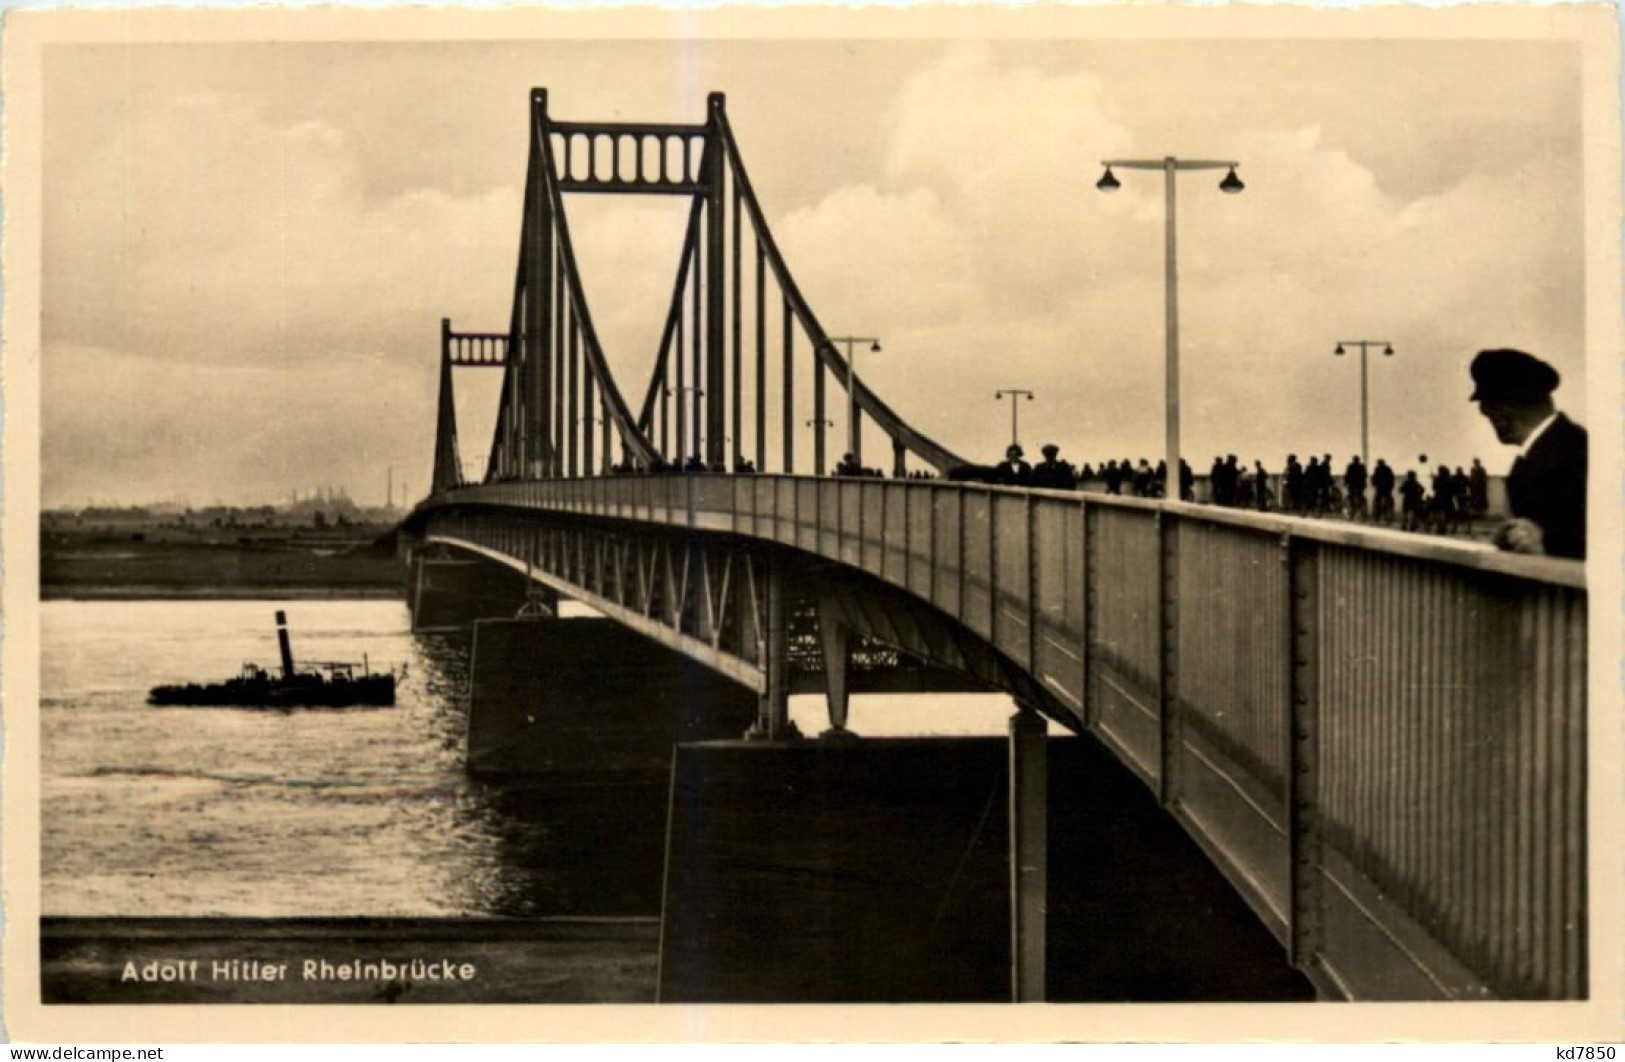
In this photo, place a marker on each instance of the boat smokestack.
(282, 642)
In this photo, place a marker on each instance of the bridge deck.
(1379, 738)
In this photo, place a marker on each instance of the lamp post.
(854, 438)
(1365, 403)
(1015, 394)
(818, 457)
(1231, 185)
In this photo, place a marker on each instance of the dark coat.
(1548, 485)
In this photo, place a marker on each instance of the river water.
(221, 811)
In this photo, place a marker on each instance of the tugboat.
(324, 684)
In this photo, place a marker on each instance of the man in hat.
(1547, 485)
(1053, 472)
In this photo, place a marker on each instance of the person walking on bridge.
(1141, 483)
(1113, 477)
(1546, 487)
(1354, 480)
(1261, 487)
(1052, 472)
(1478, 490)
(1292, 490)
(1382, 482)
(1013, 471)
(1412, 493)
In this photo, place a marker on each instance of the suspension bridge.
(1378, 739)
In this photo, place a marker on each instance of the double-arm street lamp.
(854, 437)
(1230, 185)
(1015, 394)
(1365, 405)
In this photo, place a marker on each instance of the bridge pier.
(835, 639)
(773, 709)
(451, 593)
(1029, 854)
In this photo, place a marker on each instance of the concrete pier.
(862, 871)
(1029, 855)
(585, 694)
(449, 594)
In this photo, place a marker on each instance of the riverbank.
(196, 564)
(218, 593)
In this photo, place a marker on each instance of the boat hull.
(302, 692)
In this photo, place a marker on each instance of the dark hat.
(1511, 375)
(1050, 449)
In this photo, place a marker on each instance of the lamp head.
(1339, 350)
(875, 348)
(1388, 350)
(1231, 183)
(1108, 182)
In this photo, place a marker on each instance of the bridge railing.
(1380, 738)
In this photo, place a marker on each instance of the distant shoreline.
(218, 593)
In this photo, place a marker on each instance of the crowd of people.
(1448, 502)
(1545, 489)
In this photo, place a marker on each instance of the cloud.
(235, 240)
(986, 250)
(242, 260)
(238, 433)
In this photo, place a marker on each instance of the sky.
(247, 247)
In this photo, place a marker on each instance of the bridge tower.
(718, 393)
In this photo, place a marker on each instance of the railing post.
(1087, 612)
(959, 599)
(1303, 759)
(1029, 853)
(1167, 529)
(1033, 612)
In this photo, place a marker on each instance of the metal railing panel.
(784, 512)
(713, 494)
(829, 518)
(1123, 656)
(1057, 581)
(1012, 550)
(976, 561)
(921, 501)
(947, 507)
(807, 498)
(894, 539)
(1233, 646)
(744, 505)
(1232, 697)
(763, 498)
(849, 508)
(872, 521)
(1453, 708)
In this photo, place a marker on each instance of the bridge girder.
(706, 595)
